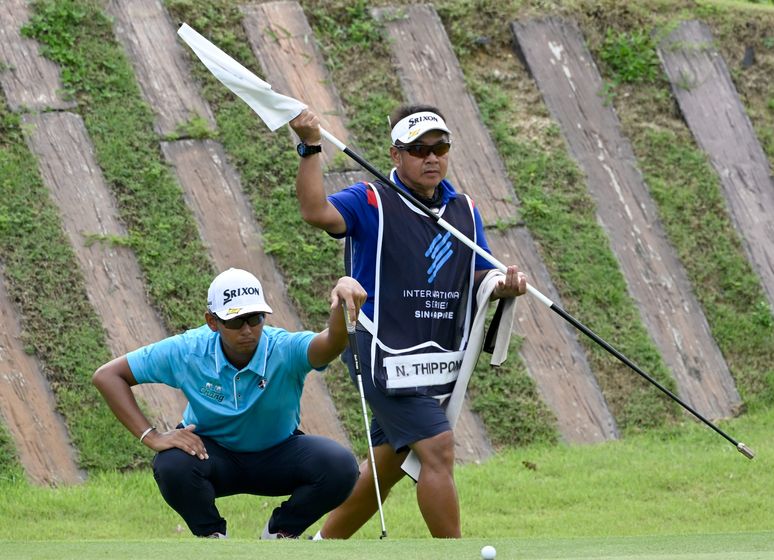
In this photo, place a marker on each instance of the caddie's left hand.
(350, 293)
(513, 285)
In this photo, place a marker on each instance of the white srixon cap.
(236, 292)
(415, 125)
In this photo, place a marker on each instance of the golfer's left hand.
(513, 285)
(350, 293)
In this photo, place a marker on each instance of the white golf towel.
(411, 465)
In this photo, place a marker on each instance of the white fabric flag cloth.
(274, 108)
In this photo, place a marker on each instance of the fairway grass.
(730, 546)
(622, 499)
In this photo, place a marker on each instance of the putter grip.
(350, 326)
(355, 353)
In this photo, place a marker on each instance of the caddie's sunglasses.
(236, 323)
(424, 150)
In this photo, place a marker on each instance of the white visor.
(409, 129)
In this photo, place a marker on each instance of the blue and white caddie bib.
(423, 296)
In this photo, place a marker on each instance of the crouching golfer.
(239, 433)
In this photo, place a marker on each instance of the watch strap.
(306, 150)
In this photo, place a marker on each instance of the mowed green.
(738, 546)
(679, 493)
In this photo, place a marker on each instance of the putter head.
(744, 450)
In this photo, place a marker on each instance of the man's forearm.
(310, 190)
(120, 399)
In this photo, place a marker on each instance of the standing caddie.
(415, 327)
(239, 433)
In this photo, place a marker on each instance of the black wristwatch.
(305, 150)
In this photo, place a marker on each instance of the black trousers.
(315, 472)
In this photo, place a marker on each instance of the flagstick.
(741, 447)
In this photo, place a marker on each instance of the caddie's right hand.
(307, 126)
(182, 438)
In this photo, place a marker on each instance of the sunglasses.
(424, 150)
(236, 323)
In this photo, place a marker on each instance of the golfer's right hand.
(307, 126)
(182, 438)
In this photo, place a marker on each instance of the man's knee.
(436, 452)
(345, 464)
(339, 468)
(174, 468)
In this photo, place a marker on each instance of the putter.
(356, 361)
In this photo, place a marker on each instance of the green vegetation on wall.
(78, 35)
(558, 210)
(10, 468)
(309, 260)
(58, 324)
(561, 216)
(686, 187)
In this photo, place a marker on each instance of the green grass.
(10, 467)
(738, 546)
(681, 480)
(680, 493)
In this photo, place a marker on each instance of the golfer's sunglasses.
(236, 323)
(424, 150)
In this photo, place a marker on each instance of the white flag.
(274, 109)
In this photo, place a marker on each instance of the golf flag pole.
(741, 447)
(276, 110)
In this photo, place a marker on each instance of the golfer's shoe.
(268, 535)
(217, 535)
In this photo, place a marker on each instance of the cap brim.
(233, 312)
(414, 135)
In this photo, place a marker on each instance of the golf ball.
(488, 552)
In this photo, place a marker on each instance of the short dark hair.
(404, 111)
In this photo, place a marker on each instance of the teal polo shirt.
(244, 410)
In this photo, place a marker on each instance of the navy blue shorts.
(397, 420)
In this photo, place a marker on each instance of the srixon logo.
(228, 295)
(417, 120)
